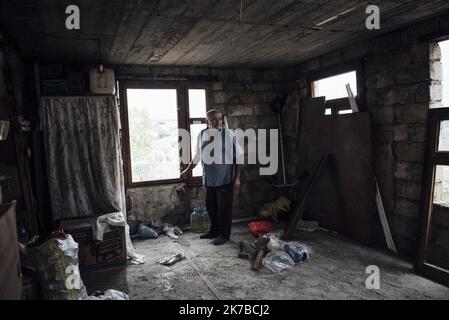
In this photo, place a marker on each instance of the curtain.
(84, 161)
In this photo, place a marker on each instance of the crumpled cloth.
(110, 294)
(171, 230)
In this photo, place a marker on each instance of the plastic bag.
(259, 228)
(297, 251)
(275, 243)
(56, 261)
(145, 232)
(276, 261)
(110, 294)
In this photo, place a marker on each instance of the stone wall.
(401, 81)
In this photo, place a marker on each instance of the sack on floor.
(56, 261)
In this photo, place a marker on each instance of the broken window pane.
(335, 87)
(153, 134)
(197, 103)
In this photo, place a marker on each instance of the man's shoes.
(209, 235)
(219, 241)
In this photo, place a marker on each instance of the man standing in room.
(220, 176)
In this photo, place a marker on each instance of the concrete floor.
(335, 271)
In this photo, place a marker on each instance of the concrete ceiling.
(199, 32)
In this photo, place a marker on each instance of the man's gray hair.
(211, 113)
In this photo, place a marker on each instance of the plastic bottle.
(199, 220)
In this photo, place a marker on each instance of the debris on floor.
(171, 230)
(276, 261)
(310, 226)
(170, 260)
(273, 253)
(145, 232)
(110, 294)
(55, 259)
(297, 251)
(275, 243)
(273, 209)
(247, 251)
(261, 248)
(261, 227)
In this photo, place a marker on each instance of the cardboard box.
(93, 253)
(81, 230)
(110, 251)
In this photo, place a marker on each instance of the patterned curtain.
(83, 155)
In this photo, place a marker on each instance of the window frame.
(190, 179)
(340, 104)
(184, 122)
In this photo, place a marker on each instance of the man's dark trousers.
(219, 207)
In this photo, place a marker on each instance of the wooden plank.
(384, 221)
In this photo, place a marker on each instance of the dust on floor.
(335, 271)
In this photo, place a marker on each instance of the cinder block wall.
(402, 79)
(244, 96)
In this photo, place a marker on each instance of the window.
(334, 89)
(197, 122)
(444, 46)
(153, 114)
(153, 134)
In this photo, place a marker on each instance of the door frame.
(433, 157)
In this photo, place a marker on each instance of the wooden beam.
(384, 221)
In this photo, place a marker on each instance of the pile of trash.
(276, 255)
(54, 259)
(110, 294)
(151, 232)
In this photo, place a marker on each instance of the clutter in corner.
(53, 260)
(276, 255)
